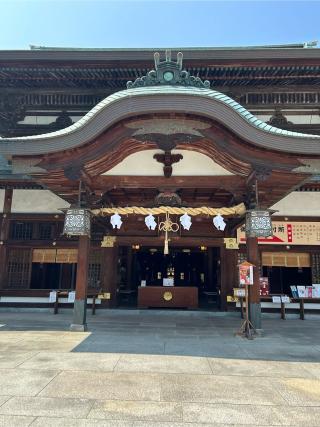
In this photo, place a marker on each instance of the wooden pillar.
(254, 291)
(110, 274)
(4, 234)
(229, 276)
(129, 267)
(209, 269)
(80, 305)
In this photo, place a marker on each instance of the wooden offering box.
(167, 297)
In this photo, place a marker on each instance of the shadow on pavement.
(161, 332)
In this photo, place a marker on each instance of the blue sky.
(154, 23)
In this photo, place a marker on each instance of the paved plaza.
(157, 368)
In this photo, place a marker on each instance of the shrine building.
(140, 178)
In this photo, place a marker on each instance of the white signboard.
(71, 296)
(167, 281)
(316, 290)
(288, 233)
(53, 296)
(302, 292)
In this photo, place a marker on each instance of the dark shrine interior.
(194, 267)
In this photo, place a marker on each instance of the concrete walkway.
(156, 368)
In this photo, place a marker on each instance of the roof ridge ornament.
(168, 72)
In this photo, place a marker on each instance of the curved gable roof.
(161, 99)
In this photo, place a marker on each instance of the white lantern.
(116, 221)
(150, 222)
(219, 222)
(185, 221)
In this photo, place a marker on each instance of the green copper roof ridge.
(244, 113)
(144, 100)
(165, 90)
(303, 45)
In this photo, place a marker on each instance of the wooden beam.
(87, 180)
(229, 182)
(175, 241)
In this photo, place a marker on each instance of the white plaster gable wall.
(298, 119)
(192, 164)
(34, 201)
(44, 201)
(138, 164)
(299, 203)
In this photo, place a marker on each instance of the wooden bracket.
(168, 159)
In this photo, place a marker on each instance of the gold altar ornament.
(105, 295)
(167, 296)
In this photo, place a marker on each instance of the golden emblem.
(108, 241)
(167, 296)
(231, 243)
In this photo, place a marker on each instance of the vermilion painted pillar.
(80, 305)
(4, 234)
(254, 291)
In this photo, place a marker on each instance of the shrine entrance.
(170, 163)
(186, 267)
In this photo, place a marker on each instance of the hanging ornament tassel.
(167, 226)
(166, 247)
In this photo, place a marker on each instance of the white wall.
(299, 203)
(192, 164)
(34, 201)
(44, 201)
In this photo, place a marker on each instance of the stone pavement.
(157, 369)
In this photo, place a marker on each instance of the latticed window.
(19, 264)
(21, 230)
(94, 272)
(45, 231)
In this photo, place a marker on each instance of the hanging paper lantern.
(219, 222)
(185, 221)
(150, 222)
(116, 221)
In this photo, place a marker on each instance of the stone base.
(255, 315)
(79, 323)
(78, 328)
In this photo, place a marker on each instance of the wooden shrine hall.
(151, 187)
